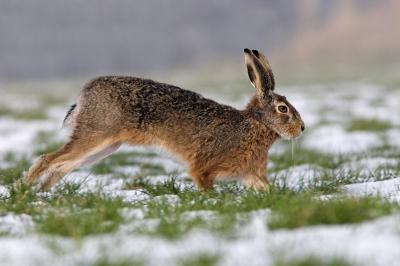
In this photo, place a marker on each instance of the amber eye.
(282, 109)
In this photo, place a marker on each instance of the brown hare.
(213, 140)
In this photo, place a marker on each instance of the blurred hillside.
(356, 35)
(55, 39)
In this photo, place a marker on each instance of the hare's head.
(266, 106)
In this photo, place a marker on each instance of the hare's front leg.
(203, 179)
(257, 180)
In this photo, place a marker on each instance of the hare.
(212, 140)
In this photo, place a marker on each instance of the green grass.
(169, 186)
(175, 220)
(201, 260)
(373, 125)
(313, 261)
(230, 207)
(86, 215)
(18, 201)
(110, 262)
(35, 114)
(77, 214)
(304, 210)
(67, 212)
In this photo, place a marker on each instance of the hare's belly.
(165, 152)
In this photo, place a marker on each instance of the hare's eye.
(282, 109)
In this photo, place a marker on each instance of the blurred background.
(47, 39)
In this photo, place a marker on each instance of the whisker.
(293, 145)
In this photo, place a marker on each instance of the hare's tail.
(68, 120)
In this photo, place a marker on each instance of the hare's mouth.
(298, 136)
(288, 137)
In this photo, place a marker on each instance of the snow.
(17, 136)
(387, 188)
(17, 225)
(370, 243)
(394, 137)
(334, 139)
(325, 109)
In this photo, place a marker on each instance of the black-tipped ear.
(263, 60)
(255, 52)
(258, 74)
(250, 69)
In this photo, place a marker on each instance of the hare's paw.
(256, 182)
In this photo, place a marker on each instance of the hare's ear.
(263, 60)
(259, 75)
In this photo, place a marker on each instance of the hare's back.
(144, 101)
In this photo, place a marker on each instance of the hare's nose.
(302, 128)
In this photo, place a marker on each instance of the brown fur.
(213, 140)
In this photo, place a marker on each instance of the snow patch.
(334, 139)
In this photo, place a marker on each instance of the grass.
(35, 114)
(86, 214)
(169, 186)
(230, 208)
(373, 125)
(69, 212)
(201, 260)
(303, 210)
(313, 261)
(18, 201)
(109, 262)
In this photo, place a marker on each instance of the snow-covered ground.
(327, 111)
(374, 242)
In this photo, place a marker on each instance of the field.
(335, 197)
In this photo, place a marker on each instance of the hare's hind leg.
(74, 154)
(44, 163)
(58, 172)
